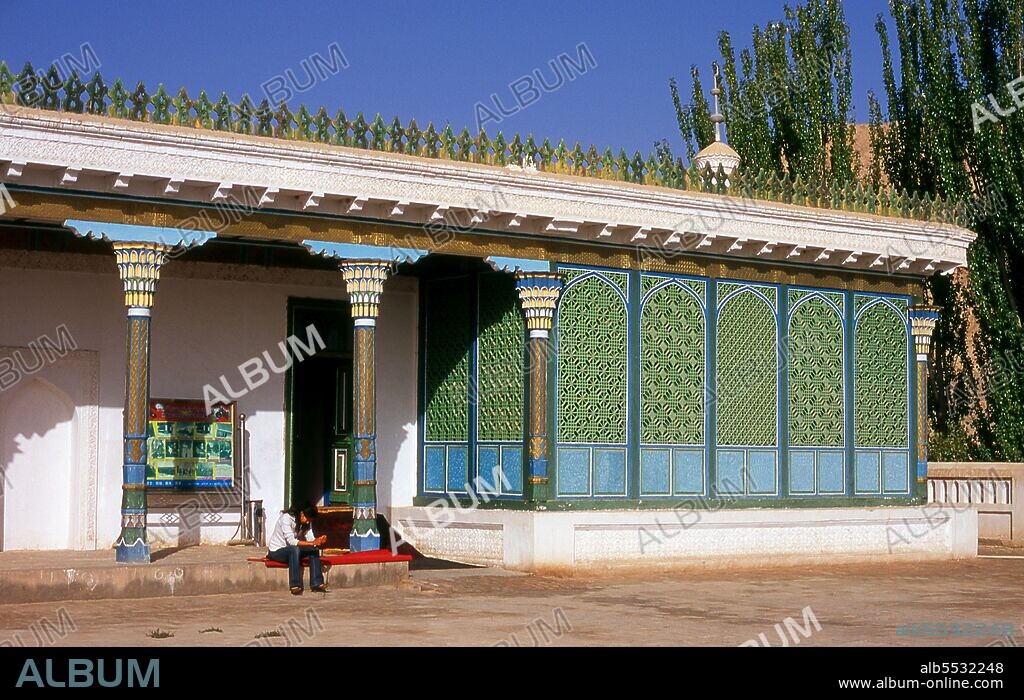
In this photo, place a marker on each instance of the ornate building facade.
(534, 356)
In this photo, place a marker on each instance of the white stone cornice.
(41, 148)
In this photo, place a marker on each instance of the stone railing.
(996, 490)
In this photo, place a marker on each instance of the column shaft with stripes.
(364, 281)
(538, 295)
(922, 324)
(139, 267)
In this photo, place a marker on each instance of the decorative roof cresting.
(70, 95)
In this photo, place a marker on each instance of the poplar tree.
(955, 127)
(787, 101)
(952, 125)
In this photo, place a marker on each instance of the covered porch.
(269, 328)
(508, 339)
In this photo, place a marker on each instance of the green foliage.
(787, 100)
(787, 103)
(951, 54)
(694, 118)
(952, 445)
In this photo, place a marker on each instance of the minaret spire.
(717, 154)
(717, 117)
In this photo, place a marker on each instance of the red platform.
(377, 556)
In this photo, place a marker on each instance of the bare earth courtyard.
(854, 605)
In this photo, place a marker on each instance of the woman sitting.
(293, 542)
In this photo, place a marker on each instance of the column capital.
(923, 319)
(364, 281)
(538, 294)
(138, 264)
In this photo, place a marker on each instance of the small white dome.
(717, 154)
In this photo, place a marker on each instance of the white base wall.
(575, 540)
(207, 320)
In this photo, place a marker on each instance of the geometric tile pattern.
(649, 282)
(500, 360)
(446, 361)
(672, 364)
(747, 389)
(592, 365)
(595, 339)
(816, 387)
(880, 377)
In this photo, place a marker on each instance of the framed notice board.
(189, 448)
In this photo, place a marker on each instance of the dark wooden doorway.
(319, 405)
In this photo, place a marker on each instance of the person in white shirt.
(292, 541)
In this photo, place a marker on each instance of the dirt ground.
(853, 605)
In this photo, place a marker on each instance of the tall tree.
(953, 125)
(787, 101)
(950, 131)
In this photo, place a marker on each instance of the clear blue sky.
(428, 60)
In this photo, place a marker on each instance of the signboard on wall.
(189, 448)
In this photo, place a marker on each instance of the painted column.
(139, 267)
(922, 325)
(364, 281)
(538, 294)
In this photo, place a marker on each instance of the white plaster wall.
(203, 328)
(35, 303)
(38, 431)
(397, 375)
(574, 540)
(27, 434)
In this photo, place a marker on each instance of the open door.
(320, 406)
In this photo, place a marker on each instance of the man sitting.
(292, 542)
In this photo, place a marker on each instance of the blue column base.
(538, 467)
(364, 543)
(137, 553)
